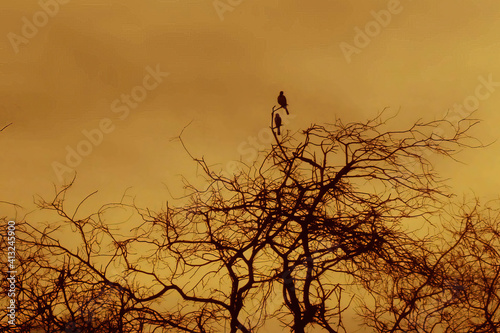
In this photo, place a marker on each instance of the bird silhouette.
(282, 102)
(277, 121)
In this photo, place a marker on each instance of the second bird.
(277, 121)
(282, 102)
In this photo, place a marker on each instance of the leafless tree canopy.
(323, 224)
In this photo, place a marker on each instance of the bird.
(277, 121)
(282, 102)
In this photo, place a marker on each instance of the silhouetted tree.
(1, 129)
(300, 236)
(461, 292)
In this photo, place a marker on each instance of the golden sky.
(63, 75)
(226, 65)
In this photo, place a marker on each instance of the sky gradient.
(68, 79)
(224, 76)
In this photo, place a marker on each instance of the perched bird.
(277, 121)
(282, 102)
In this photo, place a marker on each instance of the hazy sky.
(225, 68)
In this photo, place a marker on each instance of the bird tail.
(286, 109)
(279, 131)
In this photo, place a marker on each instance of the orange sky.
(225, 71)
(224, 75)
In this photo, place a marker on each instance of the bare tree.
(298, 237)
(463, 292)
(1, 129)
